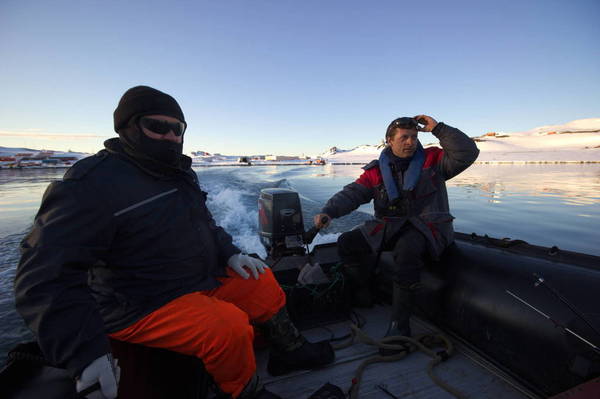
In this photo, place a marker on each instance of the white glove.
(103, 370)
(238, 261)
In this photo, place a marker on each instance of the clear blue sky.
(292, 77)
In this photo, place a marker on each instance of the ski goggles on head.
(162, 127)
(402, 123)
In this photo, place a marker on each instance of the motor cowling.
(281, 227)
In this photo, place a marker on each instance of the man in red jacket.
(412, 216)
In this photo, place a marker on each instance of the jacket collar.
(151, 167)
(411, 176)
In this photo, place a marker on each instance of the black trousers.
(409, 248)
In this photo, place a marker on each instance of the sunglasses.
(162, 127)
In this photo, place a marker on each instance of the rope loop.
(425, 343)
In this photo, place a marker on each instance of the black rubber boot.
(255, 390)
(310, 355)
(358, 280)
(264, 394)
(290, 351)
(402, 305)
(281, 333)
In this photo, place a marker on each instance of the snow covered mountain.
(362, 153)
(575, 141)
(203, 157)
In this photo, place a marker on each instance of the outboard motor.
(280, 222)
(281, 231)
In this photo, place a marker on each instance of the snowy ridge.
(361, 154)
(575, 141)
(590, 125)
(202, 157)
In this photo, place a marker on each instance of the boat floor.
(406, 378)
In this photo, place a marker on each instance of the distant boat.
(319, 161)
(244, 160)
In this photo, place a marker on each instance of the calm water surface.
(542, 204)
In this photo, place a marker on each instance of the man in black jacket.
(412, 216)
(125, 247)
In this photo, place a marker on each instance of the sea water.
(554, 204)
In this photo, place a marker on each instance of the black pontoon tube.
(542, 281)
(556, 323)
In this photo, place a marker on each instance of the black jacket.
(110, 244)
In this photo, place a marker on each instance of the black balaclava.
(139, 101)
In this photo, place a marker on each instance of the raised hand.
(427, 121)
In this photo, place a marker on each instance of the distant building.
(8, 162)
(30, 162)
(64, 158)
(281, 158)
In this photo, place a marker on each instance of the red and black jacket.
(426, 206)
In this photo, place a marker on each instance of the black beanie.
(145, 100)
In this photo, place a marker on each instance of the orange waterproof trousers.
(213, 325)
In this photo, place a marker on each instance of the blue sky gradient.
(292, 77)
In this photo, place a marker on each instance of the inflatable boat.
(515, 320)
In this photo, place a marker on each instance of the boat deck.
(406, 378)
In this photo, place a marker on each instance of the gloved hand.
(238, 261)
(106, 372)
(321, 220)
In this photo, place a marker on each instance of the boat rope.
(505, 242)
(425, 343)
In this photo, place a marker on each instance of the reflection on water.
(21, 192)
(542, 204)
(577, 184)
(549, 204)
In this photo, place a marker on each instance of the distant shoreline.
(531, 162)
(491, 162)
(338, 163)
